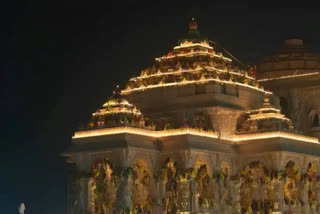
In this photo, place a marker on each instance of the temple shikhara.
(196, 133)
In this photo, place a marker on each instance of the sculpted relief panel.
(254, 188)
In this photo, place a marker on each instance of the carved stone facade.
(293, 74)
(202, 137)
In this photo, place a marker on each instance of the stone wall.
(193, 181)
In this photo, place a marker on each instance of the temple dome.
(293, 59)
(117, 111)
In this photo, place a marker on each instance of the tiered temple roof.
(264, 119)
(117, 111)
(193, 61)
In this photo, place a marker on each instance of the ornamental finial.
(117, 91)
(193, 25)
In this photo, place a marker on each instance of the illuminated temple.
(195, 133)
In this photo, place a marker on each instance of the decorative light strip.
(187, 82)
(182, 45)
(264, 109)
(115, 112)
(231, 72)
(180, 71)
(115, 103)
(176, 132)
(274, 134)
(167, 73)
(192, 54)
(261, 116)
(144, 132)
(289, 76)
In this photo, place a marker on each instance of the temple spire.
(193, 25)
(117, 92)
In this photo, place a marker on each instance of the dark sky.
(61, 61)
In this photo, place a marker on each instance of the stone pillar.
(91, 202)
(124, 201)
(157, 196)
(184, 196)
(224, 120)
(83, 195)
(194, 197)
(278, 195)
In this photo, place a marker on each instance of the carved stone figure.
(103, 187)
(141, 186)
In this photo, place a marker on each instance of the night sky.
(61, 60)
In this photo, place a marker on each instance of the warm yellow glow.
(115, 102)
(194, 53)
(195, 132)
(187, 82)
(179, 71)
(266, 109)
(144, 132)
(261, 116)
(275, 134)
(113, 111)
(187, 44)
(289, 76)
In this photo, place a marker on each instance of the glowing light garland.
(264, 109)
(187, 82)
(274, 134)
(195, 132)
(144, 132)
(261, 116)
(116, 111)
(115, 103)
(287, 77)
(197, 53)
(181, 71)
(167, 73)
(189, 45)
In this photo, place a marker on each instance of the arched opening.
(284, 106)
(315, 122)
